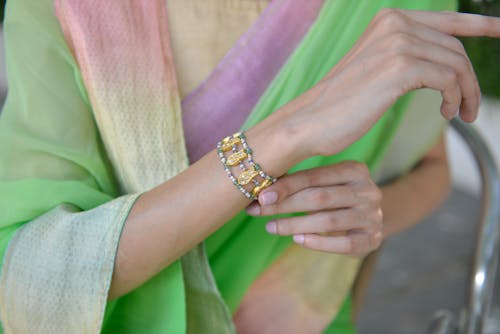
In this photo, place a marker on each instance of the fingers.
(313, 199)
(347, 231)
(349, 209)
(326, 222)
(434, 36)
(407, 36)
(456, 24)
(337, 174)
(415, 73)
(451, 23)
(360, 192)
(356, 244)
(438, 54)
(364, 194)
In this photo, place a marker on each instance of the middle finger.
(314, 199)
(320, 222)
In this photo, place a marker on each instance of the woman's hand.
(343, 206)
(400, 51)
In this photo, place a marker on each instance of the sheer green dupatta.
(243, 239)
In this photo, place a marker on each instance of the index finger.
(336, 174)
(457, 24)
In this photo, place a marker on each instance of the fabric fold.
(222, 103)
(53, 293)
(133, 93)
(134, 99)
(124, 52)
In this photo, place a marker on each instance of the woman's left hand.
(342, 203)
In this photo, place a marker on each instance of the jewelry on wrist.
(241, 155)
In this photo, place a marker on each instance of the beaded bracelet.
(249, 170)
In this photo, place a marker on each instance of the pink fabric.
(221, 104)
(142, 79)
(215, 109)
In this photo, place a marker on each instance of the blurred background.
(426, 268)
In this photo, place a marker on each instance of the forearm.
(172, 218)
(412, 197)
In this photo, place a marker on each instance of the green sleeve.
(50, 149)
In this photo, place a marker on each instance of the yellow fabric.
(59, 241)
(202, 32)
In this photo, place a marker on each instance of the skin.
(291, 296)
(385, 63)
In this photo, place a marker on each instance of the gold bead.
(228, 142)
(256, 191)
(235, 158)
(246, 176)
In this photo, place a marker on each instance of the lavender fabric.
(221, 104)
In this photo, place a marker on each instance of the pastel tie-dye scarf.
(124, 53)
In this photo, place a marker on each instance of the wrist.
(276, 146)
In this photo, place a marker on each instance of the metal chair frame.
(483, 272)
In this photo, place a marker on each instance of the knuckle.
(376, 194)
(360, 169)
(284, 185)
(463, 62)
(313, 176)
(345, 168)
(458, 45)
(354, 169)
(401, 63)
(400, 42)
(369, 195)
(357, 217)
(283, 188)
(331, 221)
(346, 165)
(320, 197)
(384, 11)
(349, 194)
(390, 17)
(450, 77)
(379, 218)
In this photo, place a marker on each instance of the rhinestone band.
(249, 170)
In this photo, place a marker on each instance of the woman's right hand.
(400, 51)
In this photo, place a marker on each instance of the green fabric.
(343, 321)
(51, 152)
(340, 23)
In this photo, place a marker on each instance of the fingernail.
(253, 209)
(271, 227)
(268, 198)
(299, 239)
